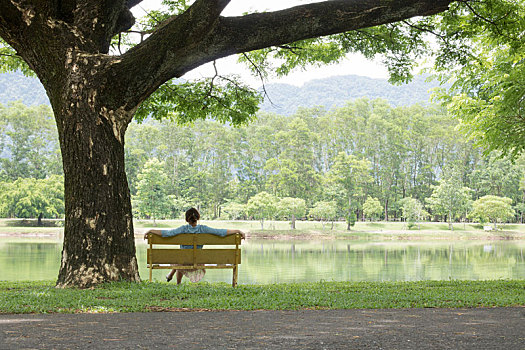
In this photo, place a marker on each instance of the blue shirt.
(197, 229)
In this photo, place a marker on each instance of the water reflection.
(298, 261)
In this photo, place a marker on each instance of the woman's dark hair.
(192, 216)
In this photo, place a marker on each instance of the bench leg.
(234, 282)
(150, 273)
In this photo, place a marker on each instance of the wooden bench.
(160, 256)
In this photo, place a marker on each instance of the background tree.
(496, 175)
(492, 209)
(413, 212)
(28, 142)
(324, 211)
(152, 198)
(449, 198)
(293, 172)
(32, 198)
(292, 208)
(520, 209)
(352, 174)
(372, 208)
(234, 210)
(262, 206)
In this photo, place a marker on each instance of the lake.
(270, 261)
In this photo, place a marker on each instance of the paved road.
(481, 328)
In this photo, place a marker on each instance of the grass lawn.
(43, 297)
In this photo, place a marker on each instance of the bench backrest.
(165, 255)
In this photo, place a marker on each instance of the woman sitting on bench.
(192, 217)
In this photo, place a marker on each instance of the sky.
(354, 63)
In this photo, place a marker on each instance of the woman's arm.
(232, 232)
(154, 232)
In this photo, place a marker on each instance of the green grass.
(43, 297)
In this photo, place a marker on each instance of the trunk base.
(87, 277)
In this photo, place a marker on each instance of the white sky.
(353, 64)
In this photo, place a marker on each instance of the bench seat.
(163, 255)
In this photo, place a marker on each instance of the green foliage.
(43, 297)
(450, 197)
(412, 211)
(234, 210)
(497, 175)
(262, 206)
(223, 99)
(492, 209)
(395, 153)
(324, 211)
(372, 208)
(10, 61)
(352, 175)
(28, 142)
(292, 208)
(478, 46)
(152, 200)
(480, 50)
(28, 198)
(366, 148)
(289, 206)
(483, 51)
(291, 173)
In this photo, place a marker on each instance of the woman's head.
(192, 216)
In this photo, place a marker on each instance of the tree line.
(367, 160)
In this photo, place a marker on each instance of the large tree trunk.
(98, 236)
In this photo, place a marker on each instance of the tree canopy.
(486, 71)
(493, 209)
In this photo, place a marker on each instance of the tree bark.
(99, 241)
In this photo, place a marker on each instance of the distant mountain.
(16, 86)
(329, 92)
(336, 91)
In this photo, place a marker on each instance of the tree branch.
(261, 77)
(99, 21)
(9, 55)
(152, 63)
(132, 3)
(12, 16)
(320, 19)
(199, 35)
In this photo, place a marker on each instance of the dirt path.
(481, 328)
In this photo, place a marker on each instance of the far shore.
(305, 230)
